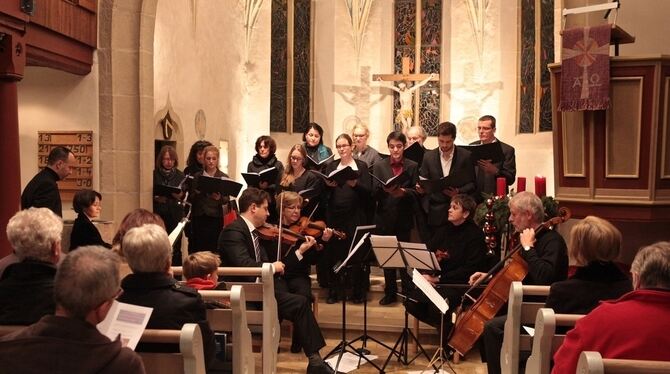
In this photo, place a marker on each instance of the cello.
(470, 322)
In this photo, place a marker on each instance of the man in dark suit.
(240, 246)
(42, 190)
(395, 205)
(446, 160)
(486, 171)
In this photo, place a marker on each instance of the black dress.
(206, 217)
(259, 164)
(84, 233)
(171, 211)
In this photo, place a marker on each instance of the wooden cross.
(405, 76)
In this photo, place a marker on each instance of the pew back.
(268, 318)
(189, 360)
(519, 313)
(546, 342)
(233, 320)
(593, 363)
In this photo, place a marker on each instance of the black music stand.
(392, 254)
(344, 345)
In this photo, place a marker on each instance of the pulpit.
(615, 163)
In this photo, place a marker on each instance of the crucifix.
(409, 97)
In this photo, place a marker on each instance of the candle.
(520, 184)
(501, 186)
(540, 186)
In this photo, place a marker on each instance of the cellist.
(547, 258)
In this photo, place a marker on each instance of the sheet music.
(352, 252)
(429, 291)
(126, 320)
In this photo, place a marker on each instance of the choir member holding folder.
(346, 210)
(207, 210)
(296, 178)
(393, 184)
(265, 171)
(167, 194)
(318, 154)
(445, 161)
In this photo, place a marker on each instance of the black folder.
(393, 181)
(491, 151)
(165, 190)
(224, 186)
(437, 185)
(312, 163)
(268, 175)
(339, 175)
(414, 152)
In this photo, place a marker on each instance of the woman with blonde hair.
(298, 179)
(594, 246)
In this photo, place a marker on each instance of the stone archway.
(125, 56)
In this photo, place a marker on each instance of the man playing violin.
(240, 246)
(545, 254)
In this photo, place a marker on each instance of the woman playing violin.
(299, 255)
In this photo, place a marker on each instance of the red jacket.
(636, 326)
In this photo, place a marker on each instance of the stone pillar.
(12, 63)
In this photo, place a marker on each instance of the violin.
(271, 232)
(470, 322)
(313, 228)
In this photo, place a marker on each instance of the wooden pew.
(233, 320)
(268, 318)
(189, 360)
(519, 313)
(546, 342)
(593, 363)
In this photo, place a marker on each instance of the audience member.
(201, 271)
(26, 287)
(135, 218)
(87, 204)
(87, 282)
(634, 326)
(42, 190)
(594, 245)
(149, 254)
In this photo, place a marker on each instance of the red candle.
(540, 186)
(501, 185)
(520, 184)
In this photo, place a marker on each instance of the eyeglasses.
(340, 146)
(360, 135)
(293, 158)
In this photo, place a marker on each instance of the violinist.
(240, 245)
(395, 205)
(297, 254)
(545, 254)
(346, 210)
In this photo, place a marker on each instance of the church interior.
(119, 79)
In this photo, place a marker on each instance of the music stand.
(344, 344)
(392, 254)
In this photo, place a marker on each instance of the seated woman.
(594, 244)
(135, 218)
(87, 205)
(461, 249)
(298, 257)
(265, 158)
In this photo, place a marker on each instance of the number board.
(81, 144)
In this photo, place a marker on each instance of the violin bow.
(281, 218)
(313, 211)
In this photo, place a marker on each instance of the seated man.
(633, 327)
(87, 282)
(149, 254)
(26, 287)
(239, 246)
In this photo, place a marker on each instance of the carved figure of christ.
(406, 95)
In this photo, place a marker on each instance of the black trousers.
(493, 341)
(296, 308)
